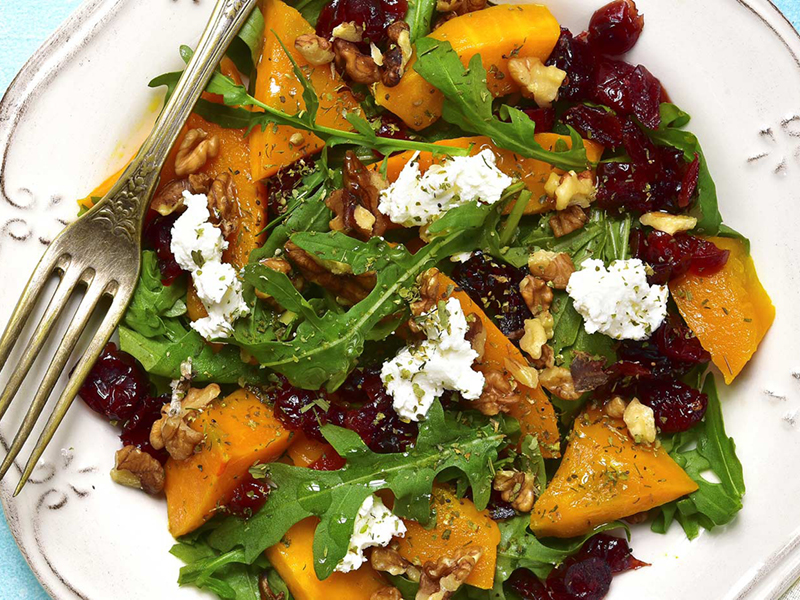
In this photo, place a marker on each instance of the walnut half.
(195, 149)
(172, 431)
(517, 488)
(441, 579)
(499, 393)
(138, 469)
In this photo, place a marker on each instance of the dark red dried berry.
(615, 28)
(577, 59)
(158, 237)
(248, 498)
(136, 430)
(495, 287)
(588, 579)
(330, 461)
(280, 186)
(596, 124)
(306, 410)
(374, 15)
(615, 551)
(689, 183)
(499, 509)
(544, 118)
(116, 386)
(628, 90)
(525, 583)
(678, 343)
(672, 256)
(677, 407)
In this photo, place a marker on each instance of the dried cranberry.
(330, 461)
(495, 286)
(499, 509)
(613, 550)
(116, 387)
(525, 583)
(615, 28)
(248, 497)
(543, 118)
(678, 343)
(136, 430)
(306, 410)
(672, 256)
(689, 183)
(280, 186)
(158, 236)
(375, 420)
(374, 15)
(588, 579)
(596, 124)
(577, 59)
(677, 407)
(392, 127)
(628, 90)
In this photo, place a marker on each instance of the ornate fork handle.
(124, 207)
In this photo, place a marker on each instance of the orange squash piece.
(729, 311)
(533, 172)
(458, 523)
(277, 87)
(534, 412)
(496, 33)
(239, 431)
(305, 451)
(293, 557)
(605, 476)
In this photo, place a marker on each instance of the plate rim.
(36, 74)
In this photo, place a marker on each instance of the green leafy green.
(468, 104)
(245, 49)
(419, 17)
(520, 549)
(703, 448)
(310, 9)
(162, 355)
(325, 349)
(445, 442)
(153, 301)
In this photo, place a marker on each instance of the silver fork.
(101, 251)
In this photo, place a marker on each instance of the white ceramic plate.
(80, 107)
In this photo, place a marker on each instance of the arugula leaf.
(419, 18)
(245, 49)
(152, 300)
(468, 104)
(520, 549)
(444, 442)
(703, 448)
(325, 350)
(162, 355)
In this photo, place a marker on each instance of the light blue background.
(24, 24)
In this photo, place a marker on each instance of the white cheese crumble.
(416, 199)
(421, 373)
(374, 525)
(198, 246)
(618, 301)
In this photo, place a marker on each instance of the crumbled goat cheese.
(198, 246)
(374, 525)
(618, 301)
(421, 373)
(415, 199)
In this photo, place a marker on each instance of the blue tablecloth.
(24, 24)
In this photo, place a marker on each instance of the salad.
(433, 304)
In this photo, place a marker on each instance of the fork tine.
(27, 301)
(86, 362)
(65, 348)
(56, 306)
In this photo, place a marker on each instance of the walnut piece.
(568, 220)
(571, 189)
(355, 206)
(222, 204)
(559, 271)
(476, 334)
(517, 488)
(359, 67)
(314, 49)
(587, 373)
(668, 223)
(138, 469)
(388, 560)
(170, 198)
(172, 431)
(536, 81)
(265, 591)
(398, 55)
(499, 393)
(430, 293)
(641, 422)
(351, 288)
(558, 381)
(537, 294)
(615, 408)
(386, 593)
(537, 331)
(523, 373)
(349, 32)
(539, 261)
(547, 360)
(460, 7)
(441, 579)
(195, 149)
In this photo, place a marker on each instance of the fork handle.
(126, 203)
